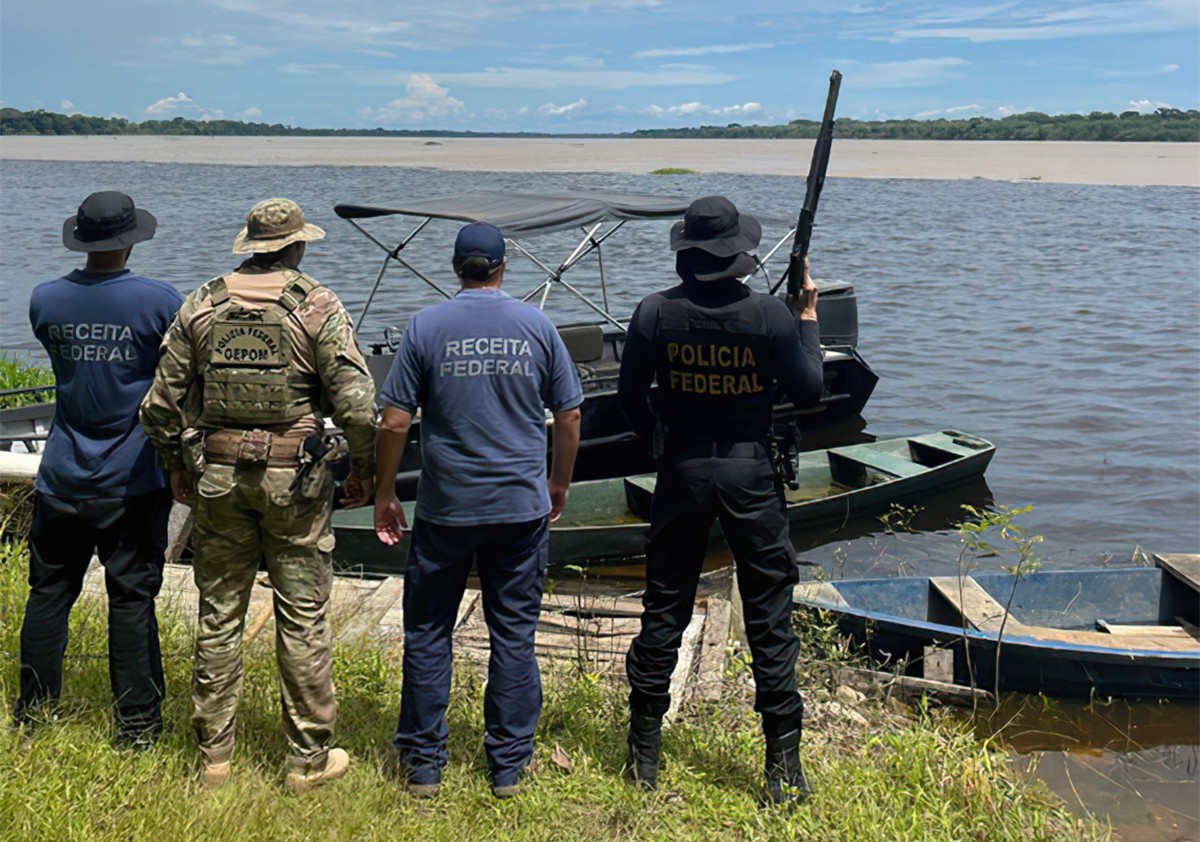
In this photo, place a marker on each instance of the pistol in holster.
(783, 447)
(317, 448)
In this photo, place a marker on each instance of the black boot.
(785, 780)
(645, 741)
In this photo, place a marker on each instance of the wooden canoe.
(1116, 632)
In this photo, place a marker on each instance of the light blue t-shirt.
(482, 367)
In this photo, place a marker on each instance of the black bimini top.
(516, 214)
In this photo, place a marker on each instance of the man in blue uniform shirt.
(717, 350)
(483, 368)
(99, 487)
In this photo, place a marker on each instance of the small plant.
(17, 374)
(975, 545)
(673, 171)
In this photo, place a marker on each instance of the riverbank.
(1078, 162)
(881, 772)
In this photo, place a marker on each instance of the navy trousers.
(511, 563)
(734, 484)
(130, 537)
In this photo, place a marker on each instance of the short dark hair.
(475, 268)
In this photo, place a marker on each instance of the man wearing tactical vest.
(249, 369)
(717, 351)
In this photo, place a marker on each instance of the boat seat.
(975, 604)
(849, 466)
(984, 613)
(585, 343)
(1185, 567)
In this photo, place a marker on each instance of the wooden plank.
(984, 613)
(937, 664)
(371, 610)
(606, 606)
(179, 531)
(1143, 631)
(909, 687)
(710, 669)
(683, 667)
(809, 592)
(975, 604)
(1183, 566)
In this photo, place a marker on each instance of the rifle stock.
(794, 274)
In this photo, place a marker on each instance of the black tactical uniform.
(717, 351)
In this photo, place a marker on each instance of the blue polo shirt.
(102, 332)
(482, 367)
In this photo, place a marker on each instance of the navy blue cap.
(480, 239)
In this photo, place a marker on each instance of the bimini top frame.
(599, 215)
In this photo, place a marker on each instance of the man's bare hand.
(389, 518)
(356, 491)
(182, 484)
(808, 294)
(558, 499)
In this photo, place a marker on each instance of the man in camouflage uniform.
(251, 365)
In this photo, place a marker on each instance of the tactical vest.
(248, 377)
(715, 370)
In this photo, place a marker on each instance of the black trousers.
(130, 537)
(733, 483)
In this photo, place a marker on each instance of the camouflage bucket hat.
(272, 225)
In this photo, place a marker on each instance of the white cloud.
(171, 103)
(181, 102)
(306, 69)
(552, 110)
(543, 78)
(250, 113)
(424, 99)
(221, 48)
(957, 110)
(1013, 21)
(908, 74)
(699, 109)
(1157, 71)
(67, 107)
(1147, 106)
(713, 49)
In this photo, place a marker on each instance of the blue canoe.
(1120, 633)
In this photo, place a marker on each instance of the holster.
(192, 447)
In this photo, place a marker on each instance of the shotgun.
(794, 274)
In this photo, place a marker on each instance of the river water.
(1061, 322)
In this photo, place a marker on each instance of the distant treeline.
(1165, 124)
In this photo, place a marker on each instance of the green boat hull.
(608, 519)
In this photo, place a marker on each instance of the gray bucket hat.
(107, 221)
(273, 224)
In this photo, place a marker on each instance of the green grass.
(15, 374)
(901, 777)
(673, 171)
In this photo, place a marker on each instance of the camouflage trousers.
(244, 515)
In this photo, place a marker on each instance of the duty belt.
(717, 449)
(252, 447)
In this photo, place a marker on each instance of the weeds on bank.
(891, 776)
(673, 171)
(15, 374)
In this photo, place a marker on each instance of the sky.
(592, 65)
